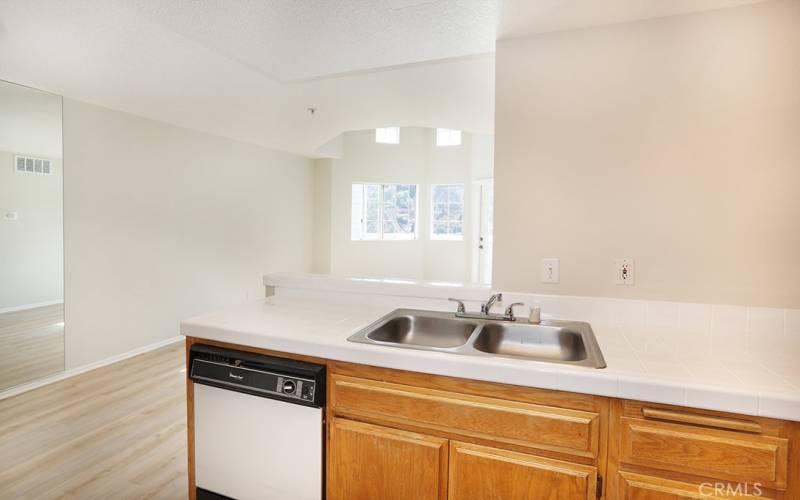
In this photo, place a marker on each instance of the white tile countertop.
(735, 359)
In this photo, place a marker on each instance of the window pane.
(387, 135)
(456, 193)
(448, 137)
(439, 194)
(399, 211)
(447, 214)
(373, 202)
(372, 211)
(440, 212)
(455, 212)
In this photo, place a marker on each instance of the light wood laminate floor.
(31, 344)
(118, 432)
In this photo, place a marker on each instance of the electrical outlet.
(625, 272)
(550, 270)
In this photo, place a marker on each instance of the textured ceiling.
(101, 52)
(301, 39)
(249, 69)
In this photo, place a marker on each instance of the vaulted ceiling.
(250, 69)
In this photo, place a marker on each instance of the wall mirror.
(409, 203)
(31, 235)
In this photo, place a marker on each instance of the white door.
(249, 448)
(486, 231)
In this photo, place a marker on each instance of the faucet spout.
(494, 299)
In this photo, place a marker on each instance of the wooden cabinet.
(576, 432)
(664, 452)
(401, 435)
(397, 435)
(368, 462)
(735, 456)
(642, 487)
(483, 473)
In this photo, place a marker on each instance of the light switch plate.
(625, 271)
(550, 270)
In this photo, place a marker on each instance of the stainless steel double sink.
(566, 342)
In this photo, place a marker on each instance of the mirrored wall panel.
(409, 203)
(31, 235)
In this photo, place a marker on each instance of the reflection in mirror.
(31, 235)
(410, 203)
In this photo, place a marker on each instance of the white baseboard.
(30, 306)
(29, 386)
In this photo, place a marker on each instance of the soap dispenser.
(535, 315)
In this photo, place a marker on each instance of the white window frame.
(448, 137)
(381, 236)
(448, 237)
(387, 135)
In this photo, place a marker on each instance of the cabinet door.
(370, 462)
(481, 473)
(641, 487)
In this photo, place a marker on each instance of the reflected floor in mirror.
(31, 344)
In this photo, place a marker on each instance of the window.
(448, 137)
(384, 212)
(447, 221)
(387, 135)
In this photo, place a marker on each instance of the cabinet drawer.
(641, 487)
(705, 452)
(575, 432)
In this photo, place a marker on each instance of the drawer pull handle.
(730, 424)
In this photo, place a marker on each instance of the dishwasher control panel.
(297, 388)
(259, 375)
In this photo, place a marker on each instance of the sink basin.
(566, 342)
(423, 330)
(531, 341)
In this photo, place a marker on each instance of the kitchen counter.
(682, 354)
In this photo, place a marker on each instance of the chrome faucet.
(494, 299)
(486, 310)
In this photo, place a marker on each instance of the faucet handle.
(510, 309)
(461, 309)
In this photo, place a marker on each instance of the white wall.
(162, 223)
(321, 252)
(416, 160)
(31, 247)
(675, 141)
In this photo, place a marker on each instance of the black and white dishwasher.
(258, 426)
